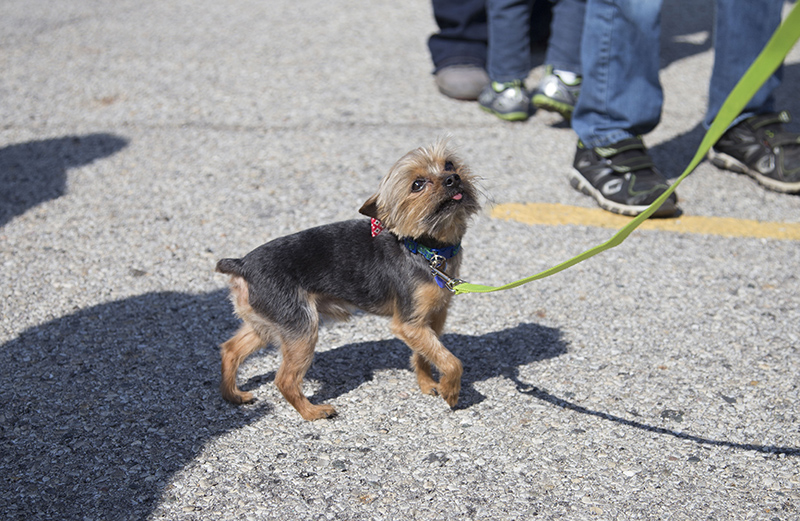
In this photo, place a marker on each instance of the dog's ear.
(370, 208)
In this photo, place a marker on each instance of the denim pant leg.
(462, 35)
(509, 55)
(742, 29)
(621, 95)
(566, 31)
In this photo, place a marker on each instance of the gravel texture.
(142, 141)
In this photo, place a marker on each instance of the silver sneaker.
(509, 101)
(555, 95)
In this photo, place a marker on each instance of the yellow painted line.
(559, 215)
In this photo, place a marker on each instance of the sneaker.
(556, 95)
(622, 178)
(464, 82)
(760, 148)
(508, 101)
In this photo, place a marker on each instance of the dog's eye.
(418, 185)
(449, 166)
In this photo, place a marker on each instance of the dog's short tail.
(230, 266)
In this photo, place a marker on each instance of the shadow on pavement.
(687, 27)
(673, 156)
(100, 408)
(345, 368)
(34, 172)
(564, 404)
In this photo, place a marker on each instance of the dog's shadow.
(500, 353)
(100, 407)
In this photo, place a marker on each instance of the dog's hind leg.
(234, 351)
(298, 354)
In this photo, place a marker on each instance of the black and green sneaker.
(760, 148)
(509, 101)
(622, 178)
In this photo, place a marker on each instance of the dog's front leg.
(421, 366)
(424, 342)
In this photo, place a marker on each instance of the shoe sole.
(723, 160)
(509, 116)
(461, 94)
(543, 102)
(578, 182)
(467, 87)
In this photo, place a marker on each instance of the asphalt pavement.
(142, 141)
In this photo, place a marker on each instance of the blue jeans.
(566, 30)
(463, 31)
(509, 56)
(621, 95)
(462, 35)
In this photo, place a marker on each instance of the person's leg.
(756, 144)
(621, 95)
(620, 99)
(566, 31)
(559, 88)
(509, 59)
(463, 33)
(458, 50)
(509, 56)
(742, 29)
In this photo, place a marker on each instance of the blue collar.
(430, 253)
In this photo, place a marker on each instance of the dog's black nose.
(452, 180)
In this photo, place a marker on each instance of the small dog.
(281, 288)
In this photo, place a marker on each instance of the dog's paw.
(450, 393)
(318, 412)
(431, 388)
(238, 397)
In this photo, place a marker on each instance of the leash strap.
(762, 68)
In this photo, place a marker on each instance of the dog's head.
(429, 192)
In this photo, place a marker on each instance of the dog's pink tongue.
(457, 197)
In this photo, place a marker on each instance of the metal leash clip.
(437, 265)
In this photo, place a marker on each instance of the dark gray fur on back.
(340, 260)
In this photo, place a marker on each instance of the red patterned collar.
(376, 227)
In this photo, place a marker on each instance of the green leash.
(762, 68)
